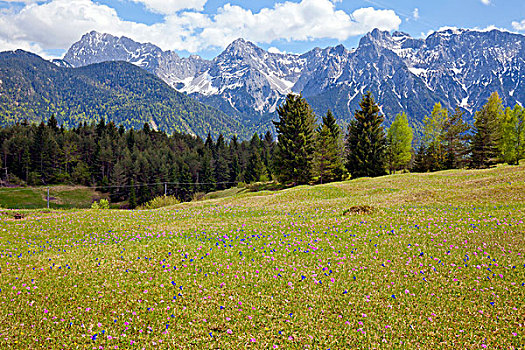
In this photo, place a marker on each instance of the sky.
(206, 27)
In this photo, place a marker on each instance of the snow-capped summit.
(456, 67)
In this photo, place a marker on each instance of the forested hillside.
(33, 89)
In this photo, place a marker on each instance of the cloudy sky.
(206, 27)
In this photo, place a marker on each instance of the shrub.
(102, 204)
(159, 202)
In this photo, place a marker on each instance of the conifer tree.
(268, 149)
(296, 143)
(487, 133)
(399, 143)
(455, 140)
(207, 177)
(132, 202)
(328, 154)
(255, 169)
(221, 163)
(365, 141)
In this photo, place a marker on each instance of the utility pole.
(48, 198)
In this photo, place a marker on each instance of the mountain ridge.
(455, 67)
(32, 89)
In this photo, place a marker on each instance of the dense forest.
(135, 166)
(32, 89)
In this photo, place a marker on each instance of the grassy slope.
(61, 197)
(439, 264)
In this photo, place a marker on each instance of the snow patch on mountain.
(451, 66)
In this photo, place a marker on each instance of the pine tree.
(455, 140)
(207, 177)
(422, 160)
(221, 163)
(132, 202)
(328, 155)
(268, 149)
(365, 141)
(255, 169)
(487, 133)
(399, 143)
(296, 143)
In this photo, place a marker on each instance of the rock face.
(456, 67)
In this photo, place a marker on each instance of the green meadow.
(60, 197)
(437, 262)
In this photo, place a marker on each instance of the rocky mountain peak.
(451, 66)
(241, 48)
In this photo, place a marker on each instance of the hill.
(436, 262)
(33, 89)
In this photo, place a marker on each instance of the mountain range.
(238, 91)
(456, 67)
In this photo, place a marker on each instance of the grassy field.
(61, 197)
(438, 263)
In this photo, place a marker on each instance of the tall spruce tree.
(487, 133)
(296, 142)
(399, 143)
(455, 140)
(255, 169)
(328, 154)
(365, 141)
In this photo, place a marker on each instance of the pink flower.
(46, 311)
(229, 331)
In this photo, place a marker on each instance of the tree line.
(307, 152)
(121, 161)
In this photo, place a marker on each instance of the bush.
(102, 204)
(159, 202)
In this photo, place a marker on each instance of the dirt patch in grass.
(359, 210)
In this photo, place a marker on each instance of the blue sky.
(206, 27)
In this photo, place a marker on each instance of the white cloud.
(275, 50)
(57, 24)
(307, 20)
(415, 14)
(519, 25)
(22, 1)
(485, 2)
(172, 6)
